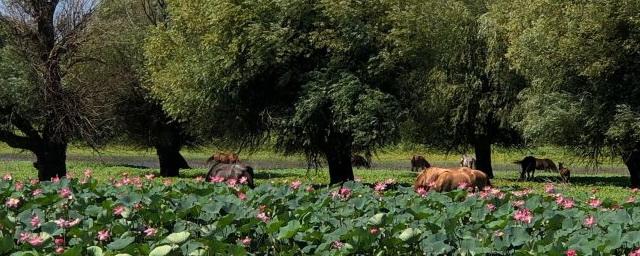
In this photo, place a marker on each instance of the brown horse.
(360, 161)
(224, 158)
(565, 173)
(231, 171)
(530, 164)
(418, 162)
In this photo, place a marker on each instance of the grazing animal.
(442, 180)
(467, 161)
(565, 173)
(231, 171)
(224, 158)
(418, 162)
(530, 164)
(359, 161)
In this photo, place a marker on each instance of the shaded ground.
(146, 162)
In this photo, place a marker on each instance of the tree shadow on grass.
(618, 181)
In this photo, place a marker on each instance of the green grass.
(609, 186)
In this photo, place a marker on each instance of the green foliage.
(300, 70)
(196, 218)
(581, 59)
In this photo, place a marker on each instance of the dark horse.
(530, 164)
(231, 171)
(360, 161)
(418, 163)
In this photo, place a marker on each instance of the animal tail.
(517, 162)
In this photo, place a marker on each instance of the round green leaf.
(177, 238)
(161, 250)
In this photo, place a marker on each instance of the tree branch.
(16, 141)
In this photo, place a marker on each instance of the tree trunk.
(171, 161)
(483, 156)
(51, 160)
(340, 169)
(632, 161)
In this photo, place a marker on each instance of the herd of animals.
(228, 166)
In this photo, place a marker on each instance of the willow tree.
(41, 109)
(582, 60)
(465, 97)
(116, 48)
(310, 73)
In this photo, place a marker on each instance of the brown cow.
(231, 171)
(418, 162)
(442, 180)
(565, 173)
(224, 158)
(359, 161)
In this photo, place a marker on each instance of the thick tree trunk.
(171, 161)
(51, 160)
(632, 161)
(340, 169)
(483, 156)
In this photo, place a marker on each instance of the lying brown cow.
(442, 180)
(418, 162)
(224, 158)
(231, 171)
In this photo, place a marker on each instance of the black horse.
(530, 164)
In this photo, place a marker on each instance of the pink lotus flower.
(62, 223)
(55, 179)
(491, 207)
(246, 241)
(59, 250)
(242, 196)
(217, 179)
(483, 194)
(523, 192)
(232, 182)
(59, 241)
(150, 232)
(199, 179)
(138, 206)
(421, 191)
(24, 237)
(243, 180)
(635, 190)
(19, 186)
(635, 253)
(7, 177)
(523, 215)
(549, 188)
(36, 192)
(595, 203)
(518, 203)
(12, 202)
(149, 176)
(589, 221)
(374, 231)
(463, 185)
(34, 181)
(337, 245)
(344, 193)
(35, 240)
(118, 210)
(296, 184)
(631, 199)
(263, 217)
(559, 199)
(66, 193)
(380, 186)
(103, 235)
(571, 252)
(35, 221)
(567, 203)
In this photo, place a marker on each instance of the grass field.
(611, 182)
